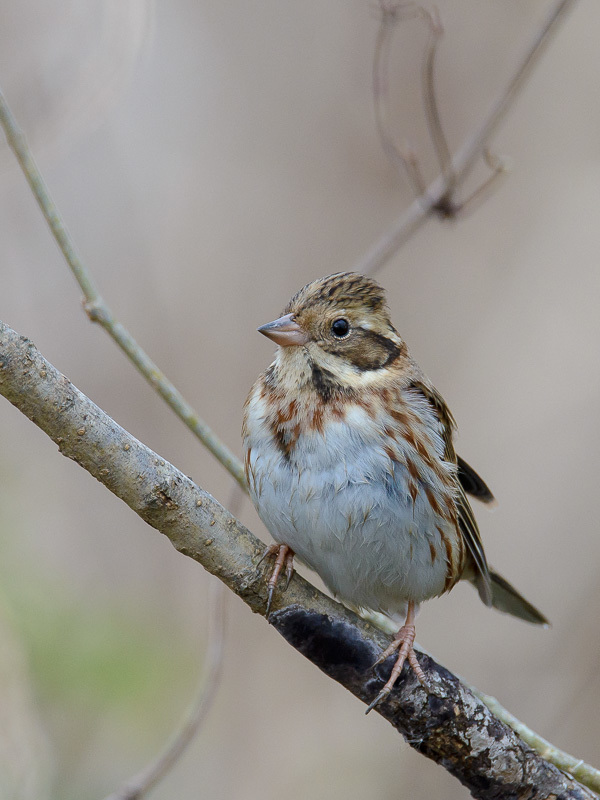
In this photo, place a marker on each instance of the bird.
(350, 462)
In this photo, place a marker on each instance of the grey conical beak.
(284, 331)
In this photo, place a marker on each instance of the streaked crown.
(342, 289)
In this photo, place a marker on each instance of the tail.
(506, 598)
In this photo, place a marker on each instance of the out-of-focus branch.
(439, 198)
(98, 311)
(448, 725)
(404, 158)
(434, 120)
(147, 778)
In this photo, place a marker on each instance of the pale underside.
(349, 511)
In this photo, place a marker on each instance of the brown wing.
(468, 524)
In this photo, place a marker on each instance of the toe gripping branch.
(283, 555)
(403, 642)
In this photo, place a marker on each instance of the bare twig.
(96, 308)
(403, 158)
(499, 167)
(432, 111)
(154, 772)
(468, 155)
(145, 780)
(441, 725)
(435, 200)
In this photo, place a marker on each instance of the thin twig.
(154, 772)
(434, 121)
(468, 155)
(425, 206)
(96, 308)
(499, 167)
(403, 158)
(441, 725)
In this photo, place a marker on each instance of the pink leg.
(403, 643)
(284, 555)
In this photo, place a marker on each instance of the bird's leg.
(403, 643)
(284, 555)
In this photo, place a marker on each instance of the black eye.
(340, 328)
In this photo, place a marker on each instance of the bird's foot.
(403, 643)
(283, 555)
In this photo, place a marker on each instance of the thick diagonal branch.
(450, 725)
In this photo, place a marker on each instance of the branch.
(98, 311)
(576, 767)
(449, 725)
(435, 199)
(402, 157)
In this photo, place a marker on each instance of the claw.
(403, 643)
(382, 694)
(270, 594)
(284, 556)
(289, 568)
(269, 551)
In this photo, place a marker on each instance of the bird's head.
(341, 324)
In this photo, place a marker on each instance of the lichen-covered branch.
(449, 725)
(577, 767)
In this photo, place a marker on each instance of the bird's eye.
(340, 328)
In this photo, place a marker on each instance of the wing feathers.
(468, 524)
(472, 483)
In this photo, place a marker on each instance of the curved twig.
(404, 158)
(435, 199)
(432, 111)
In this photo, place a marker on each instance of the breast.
(353, 505)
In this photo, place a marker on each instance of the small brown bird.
(351, 464)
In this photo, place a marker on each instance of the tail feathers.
(506, 598)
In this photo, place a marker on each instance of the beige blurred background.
(210, 158)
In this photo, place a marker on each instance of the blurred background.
(210, 158)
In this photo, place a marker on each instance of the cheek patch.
(368, 350)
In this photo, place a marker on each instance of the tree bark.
(449, 725)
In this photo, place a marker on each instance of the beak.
(284, 331)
